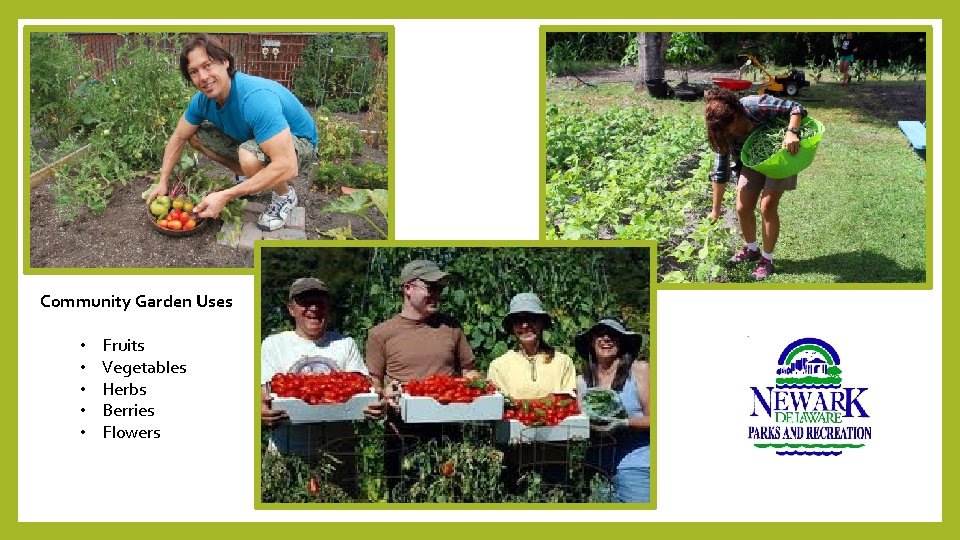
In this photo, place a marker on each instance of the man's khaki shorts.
(755, 181)
(223, 145)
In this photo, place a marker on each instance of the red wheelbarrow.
(732, 84)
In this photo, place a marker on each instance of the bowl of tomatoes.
(177, 222)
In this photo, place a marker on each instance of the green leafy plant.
(336, 70)
(377, 120)
(685, 49)
(358, 203)
(337, 139)
(286, 478)
(140, 102)
(602, 404)
(445, 471)
(628, 173)
(89, 185)
(815, 69)
(58, 66)
(370, 467)
(367, 175)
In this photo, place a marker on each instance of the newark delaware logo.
(809, 412)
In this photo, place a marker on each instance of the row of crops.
(628, 173)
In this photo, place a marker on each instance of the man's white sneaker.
(275, 216)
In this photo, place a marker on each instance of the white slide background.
(467, 161)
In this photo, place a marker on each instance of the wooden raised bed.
(46, 173)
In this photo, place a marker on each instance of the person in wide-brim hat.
(612, 363)
(533, 369)
(630, 341)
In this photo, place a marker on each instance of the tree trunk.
(652, 52)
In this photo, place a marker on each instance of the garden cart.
(788, 84)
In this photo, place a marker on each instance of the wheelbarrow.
(732, 84)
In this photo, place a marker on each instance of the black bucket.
(658, 88)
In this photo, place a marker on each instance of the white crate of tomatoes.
(443, 398)
(326, 397)
(556, 417)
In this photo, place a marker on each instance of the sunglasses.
(311, 299)
(435, 287)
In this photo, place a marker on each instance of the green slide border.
(485, 529)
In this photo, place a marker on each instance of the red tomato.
(174, 225)
(447, 468)
(184, 218)
(162, 223)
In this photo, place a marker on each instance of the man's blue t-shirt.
(256, 108)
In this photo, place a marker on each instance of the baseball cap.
(305, 284)
(421, 269)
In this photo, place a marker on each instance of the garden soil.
(122, 236)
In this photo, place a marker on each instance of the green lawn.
(860, 212)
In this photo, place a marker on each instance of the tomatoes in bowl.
(177, 223)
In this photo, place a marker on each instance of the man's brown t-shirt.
(404, 349)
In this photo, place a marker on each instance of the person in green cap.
(311, 347)
(419, 341)
(533, 369)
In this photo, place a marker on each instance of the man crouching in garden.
(253, 126)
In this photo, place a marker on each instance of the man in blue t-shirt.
(253, 126)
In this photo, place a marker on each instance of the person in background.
(729, 121)
(253, 126)
(610, 353)
(533, 369)
(845, 49)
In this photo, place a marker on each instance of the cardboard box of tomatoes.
(443, 398)
(301, 412)
(556, 417)
(571, 427)
(331, 397)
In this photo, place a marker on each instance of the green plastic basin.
(783, 164)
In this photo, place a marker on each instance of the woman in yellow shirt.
(533, 369)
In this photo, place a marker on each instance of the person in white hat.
(533, 369)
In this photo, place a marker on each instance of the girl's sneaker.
(764, 269)
(745, 254)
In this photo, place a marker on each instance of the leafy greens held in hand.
(603, 404)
